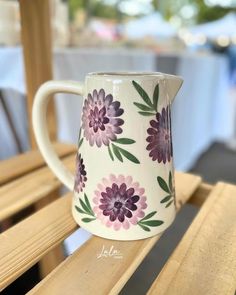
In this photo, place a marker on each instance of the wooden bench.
(203, 262)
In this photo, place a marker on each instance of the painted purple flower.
(159, 139)
(119, 202)
(80, 174)
(100, 118)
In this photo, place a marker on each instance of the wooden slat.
(29, 189)
(17, 166)
(201, 194)
(185, 185)
(37, 48)
(83, 273)
(204, 262)
(54, 257)
(36, 40)
(25, 243)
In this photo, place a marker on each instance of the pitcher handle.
(42, 97)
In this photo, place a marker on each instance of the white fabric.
(16, 104)
(11, 69)
(150, 25)
(224, 26)
(12, 86)
(202, 109)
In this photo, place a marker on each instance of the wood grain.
(17, 166)
(204, 261)
(25, 243)
(36, 40)
(83, 273)
(201, 194)
(29, 189)
(55, 256)
(37, 48)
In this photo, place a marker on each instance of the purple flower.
(80, 175)
(119, 202)
(100, 118)
(159, 139)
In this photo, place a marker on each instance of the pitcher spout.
(174, 84)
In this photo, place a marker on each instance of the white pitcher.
(124, 180)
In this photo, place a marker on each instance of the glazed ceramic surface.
(124, 179)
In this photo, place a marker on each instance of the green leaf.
(142, 93)
(110, 153)
(80, 142)
(167, 205)
(170, 182)
(146, 114)
(148, 216)
(143, 107)
(125, 141)
(88, 219)
(88, 204)
(163, 184)
(129, 156)
(86, 209)
(152, 222)
(79, 210)
(117, 152)
(144, 227)
(156, 96)
(166, 199)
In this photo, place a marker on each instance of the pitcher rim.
(129, 75)
(124, 74)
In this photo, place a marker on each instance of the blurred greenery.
(74, 5)
(97, 8)
(168, 8)
(210, 13)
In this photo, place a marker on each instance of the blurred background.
(195, 39)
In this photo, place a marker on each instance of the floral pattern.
(119, 202)
(101, 125)
(86, 209)
(167, 188)
(80, 175)
(148, 107)
(120, 153)
(159, 137)
(159, 132)
(146, 222)
(100, 118)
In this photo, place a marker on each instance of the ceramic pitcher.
(124, 179)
